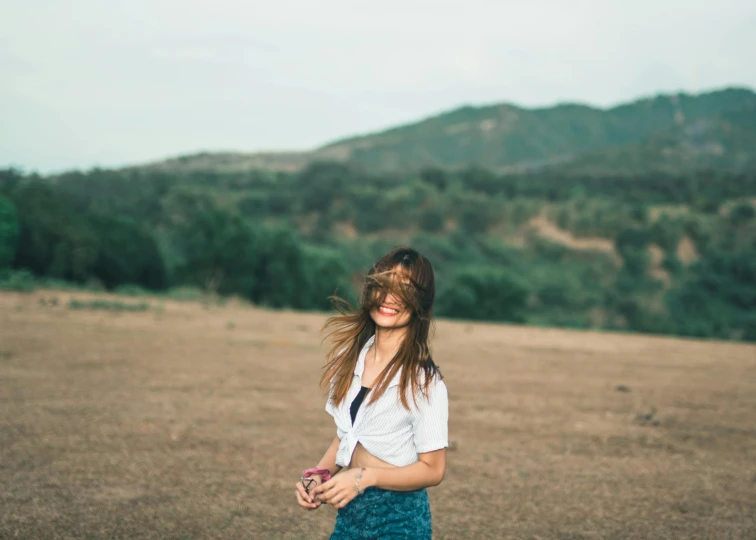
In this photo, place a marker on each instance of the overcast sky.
(108, 83)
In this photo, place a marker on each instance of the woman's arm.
(328, 461)
(427, 472)
(430, 433)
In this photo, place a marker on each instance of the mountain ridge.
(506, 137)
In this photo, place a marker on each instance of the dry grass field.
(192, 421)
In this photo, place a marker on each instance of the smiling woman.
(392, 445)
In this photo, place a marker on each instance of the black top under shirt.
(357, 402)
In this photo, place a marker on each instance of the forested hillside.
(674, 134)
(653, 253)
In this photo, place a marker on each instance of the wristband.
(325, 474)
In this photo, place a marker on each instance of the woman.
(389, 404)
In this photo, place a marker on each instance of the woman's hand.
(306, 500)
(340, 489)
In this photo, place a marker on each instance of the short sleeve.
(430, 422)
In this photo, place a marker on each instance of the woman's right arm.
(328, 461)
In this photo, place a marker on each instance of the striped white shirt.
(385, 428)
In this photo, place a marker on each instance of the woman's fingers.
(337, 494)
(338, 499)
(347, 498)
(322, 490)
(303, 499)
(308, 505)
(325, 495)
(303, 492)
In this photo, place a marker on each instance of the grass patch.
(186, 294)
(131, 290)
(107, 305)
(18, 281)
(26, 282)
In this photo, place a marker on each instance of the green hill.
(714, 142)
(670, 133)
(506, 137)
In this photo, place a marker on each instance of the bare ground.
(194, 422)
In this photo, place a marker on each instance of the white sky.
(103, 82)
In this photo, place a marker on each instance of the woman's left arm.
(427, 472)
(430, 427)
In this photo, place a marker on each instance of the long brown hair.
(416, 288)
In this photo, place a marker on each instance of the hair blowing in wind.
(408, 276)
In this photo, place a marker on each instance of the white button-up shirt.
(385, 428)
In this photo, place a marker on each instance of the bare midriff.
(363, 458)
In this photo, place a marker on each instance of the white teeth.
(388, 311)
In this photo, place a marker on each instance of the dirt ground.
(190, 421)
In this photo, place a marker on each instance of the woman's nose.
(391, 300)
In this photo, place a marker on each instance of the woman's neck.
(387, 343)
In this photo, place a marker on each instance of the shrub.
(254, 205)
(672, 263)
(742, 213)
(666, 232)
(186, 293)
(324, 275)
(482, 293)
(632, 246)
(475, 213)
(129, 289)
(432, 219)
(17, 280)
(435, 177)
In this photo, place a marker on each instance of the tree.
(483, 293)
(8, 233)
(321, 183)
(54, 240)
(718, 298)
(435, 177)
(278, 268)
(210, 247)
(481, 180)
(9, 180)
(742, 213)
(666, 232)
(475, 213)
(127, 254)
(632, 245)
(324, 274)
(432, 219)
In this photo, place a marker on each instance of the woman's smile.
(387, 311)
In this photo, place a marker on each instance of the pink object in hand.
(325, 474)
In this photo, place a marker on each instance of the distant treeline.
(681, 255)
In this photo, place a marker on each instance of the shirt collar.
(360, 366)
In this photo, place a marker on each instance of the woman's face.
(392, 312)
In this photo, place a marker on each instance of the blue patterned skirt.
(380, 513)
